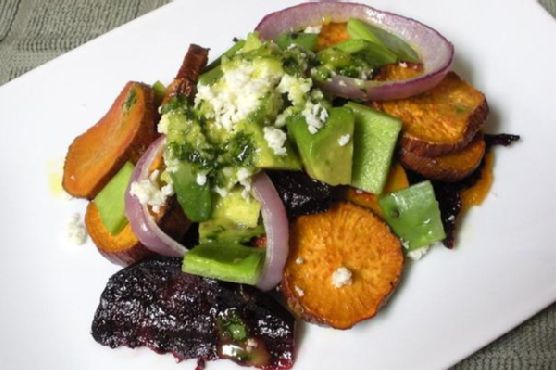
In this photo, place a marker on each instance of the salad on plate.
(289, 179)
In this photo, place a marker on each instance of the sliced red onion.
(277, 234)
(436, 52)
(144, 226)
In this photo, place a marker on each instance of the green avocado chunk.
(226, 231)
(263, 156)
(307, 41)
(374, 140)
(111, 200)
(326, 154)
(359, 30)
(374, 54)
(235, 208)
(225, 261)
(195, 199)
(414, 215)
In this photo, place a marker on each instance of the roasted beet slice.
(301, 194)
(154, 304)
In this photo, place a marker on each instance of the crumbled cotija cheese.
(343, 140)
(238, 93)
(149, 193)
(313, 29)
(341, 277)
(315, 115)
(76, 232)
(201, 178)
(275, 138)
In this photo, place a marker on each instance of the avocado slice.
(375, 137)
(111, 200)
(359, 30)
(414, 215)
(264, 156)
(237, 209)
(307, 41)
(195, 199)
(326, 154)
(226, 231)
(225, 261)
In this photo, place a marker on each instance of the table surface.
(32, 32)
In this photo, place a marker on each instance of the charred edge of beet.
(501, 139)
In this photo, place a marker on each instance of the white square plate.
(451, 303)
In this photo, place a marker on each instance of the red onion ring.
(437, 53)
(144, 226)
(277, 233)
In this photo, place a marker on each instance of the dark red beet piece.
(154, 304)
(300, 193)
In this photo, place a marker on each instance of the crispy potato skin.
(448, 167)
(123, 134)
(440, 121)
(344, 236)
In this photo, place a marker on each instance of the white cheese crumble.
(201, 178)
(313, 29)
(150, 193)
(343, 140)
(299, 291)
(315, 115)
(244, 178)
(418, 253)
(275, 138)
(281, 119)
(296, 88)
(341, 277)
(238, 93)
(76, 232)
(220, 191)
(162, 127)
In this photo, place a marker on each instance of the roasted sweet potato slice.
(123, 134)
(448, 167)
(124, 248)
(440, 121)
(347, 239)
(397, 180)
(400, 71)
(332, 34)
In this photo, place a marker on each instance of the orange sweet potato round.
(345, 236)
(440, 121)
(448, 167)
(123, 134)
(397, 180)
(123, 248)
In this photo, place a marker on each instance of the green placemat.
(34, 31)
